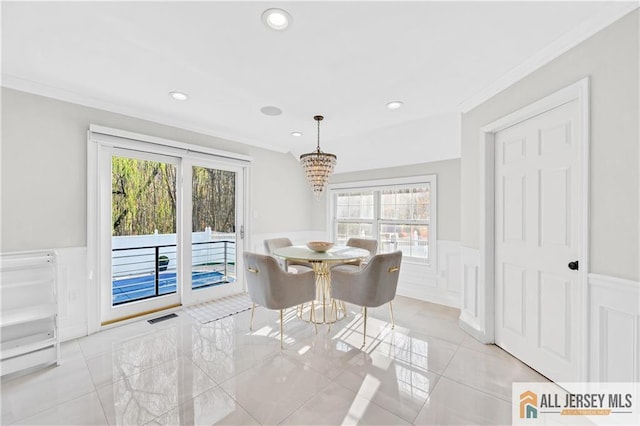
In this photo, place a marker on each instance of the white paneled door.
(538, 197)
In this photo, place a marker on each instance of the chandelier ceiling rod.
(318, 118)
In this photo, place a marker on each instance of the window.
(354, 215)
(399, 213)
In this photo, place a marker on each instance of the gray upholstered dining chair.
(372, 286)
(272, 287)
(368, 244)
(275, 243)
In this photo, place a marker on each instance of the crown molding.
(549, 53)
(28, 86)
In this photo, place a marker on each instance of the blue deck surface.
(143, 286)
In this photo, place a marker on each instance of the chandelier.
(318, 165)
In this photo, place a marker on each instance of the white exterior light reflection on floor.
(368, 389)
(304, 349)
(264, 331)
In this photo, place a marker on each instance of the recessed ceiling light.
(394, 104)
(270, 110)
(296, 134)
(178, 96)
(276, 19)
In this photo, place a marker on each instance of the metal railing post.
(225, 259)
(157, 250)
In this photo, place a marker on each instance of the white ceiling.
(343, 60)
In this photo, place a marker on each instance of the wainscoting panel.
(416, 281)
(614, 329)
(72, 292)
(470, 283)
(472, 317)
(438, 285)
(449, 276)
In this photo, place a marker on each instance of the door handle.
(574, 266)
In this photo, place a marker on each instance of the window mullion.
(404, 222)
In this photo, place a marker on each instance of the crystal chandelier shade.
(318, 165)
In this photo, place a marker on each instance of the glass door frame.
(189, 295)
(109, 312)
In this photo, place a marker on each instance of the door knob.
(573, 265)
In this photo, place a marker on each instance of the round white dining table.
(321, 262)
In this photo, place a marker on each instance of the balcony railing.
(150, 271)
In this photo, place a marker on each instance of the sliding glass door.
(171, 228)
(215, 232)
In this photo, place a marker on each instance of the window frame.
(376, 186)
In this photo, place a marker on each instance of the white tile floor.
(426, 371)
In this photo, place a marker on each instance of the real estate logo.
(528, 405)
(591, 402)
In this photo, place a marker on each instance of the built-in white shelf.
(10, 285)
(27, 314)
(29, 311)
(27, 344)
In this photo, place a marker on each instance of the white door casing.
(481, 322)
(537, 182)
